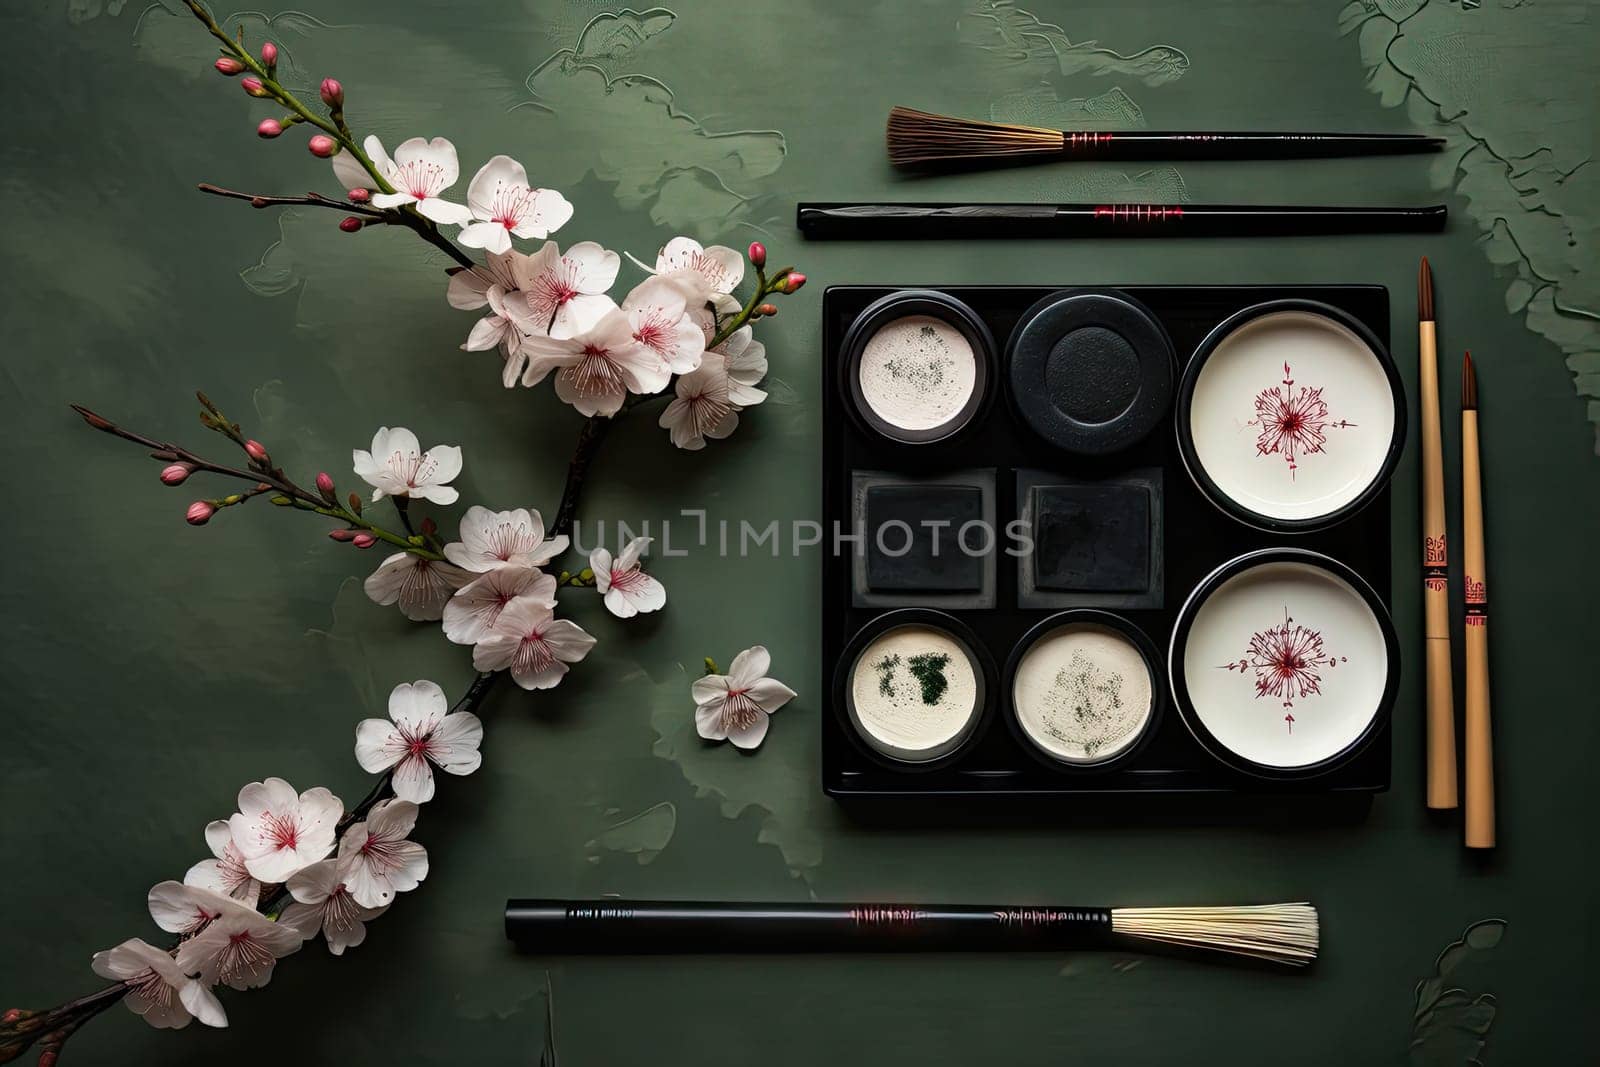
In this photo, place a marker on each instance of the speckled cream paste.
(917, 373)
(914, 692)
(1083, 693)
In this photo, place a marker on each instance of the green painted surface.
(153, 668)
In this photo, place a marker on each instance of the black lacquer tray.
(1194, 539)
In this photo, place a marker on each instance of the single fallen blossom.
(226, 873)
(398, 466)
(420, 170)
(628, 589)
(158, 990)
(376, 860)
(737, 706)
(494, 539)
(701, 408)
(239, 949)
(322, 903)
(419, 731)
(185, 909)
(533, 644)
(505, 205)
(278, 832)
(471, 613)
(560, 292)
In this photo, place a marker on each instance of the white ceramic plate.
(1292, 416)
(1285, 664)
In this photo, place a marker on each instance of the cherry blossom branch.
(21, 1029)
(337, 136)
(782, 282)
(389, 217)
(49, 1029)
(268, 87)
(266, 478)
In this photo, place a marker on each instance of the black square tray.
(1197, 538)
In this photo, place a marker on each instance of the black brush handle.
(924, 221)
(1151, 145)
(644, 926)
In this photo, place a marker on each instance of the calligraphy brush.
(1479, 743)
(860, 222)
(920, 139)
(1441, 715)
(1276, 933)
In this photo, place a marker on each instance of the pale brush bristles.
(917, 138)
(1277, 933)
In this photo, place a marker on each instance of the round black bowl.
(1090, 370)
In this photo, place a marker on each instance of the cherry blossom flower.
(421, 732)
(158, 991)
(738, 705)
(472, 612)
(560, 293)
(375, 859)
(491, 286)
(398, 466)
(187, 909)
(238, 950)
(628, 589)
(420, 171)
(658, 312)
(420, 586)
(493, 539)
(533, 643)
(226, 874)
(746, 361)
(323, 904)
(504, 204)
(599, 366)
(720, 269)
(702, 408)
(278, 832)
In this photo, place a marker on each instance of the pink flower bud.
(363, 540)
(332, 92)
(257, 451)
(429, 527)
(322, 145)
(349, 224)
(360, 196)
(269, 128)
(200, 513)
(342, 535)
(228, 66)
(253, 86)
(758, 254)
(176, 473)
(325, 486)
(269, 53)
(793, 281)
(767, 309)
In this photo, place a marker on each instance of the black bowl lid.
(1091, 371)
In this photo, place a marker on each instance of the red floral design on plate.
(1292, 422)
(1288, 661)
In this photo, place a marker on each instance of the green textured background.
(152, 668)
